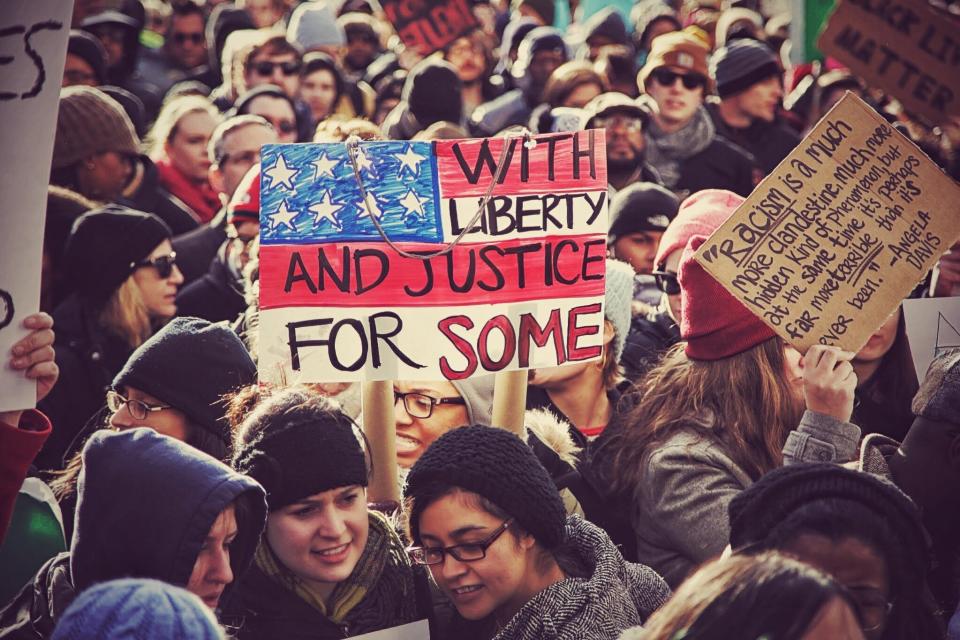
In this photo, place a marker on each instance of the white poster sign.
(933, 325)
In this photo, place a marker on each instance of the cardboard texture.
(933, 326)
(903, 47)
(32, 49)
(828, 245)
(522, 288)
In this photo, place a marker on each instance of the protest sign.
(524, 287)
(33, 46)
(419, 630)
(933, 326)
(807, 19)
(901, 46)
(827, 246)
(430, 25)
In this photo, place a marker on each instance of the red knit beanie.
(244, 205)
(702, 213)
(714, 323)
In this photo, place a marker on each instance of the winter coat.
(262, 608)
(722, 165)
(88, 357)
(679, 511)
(150, 197)
(19, 445)
(216, 296)
(197, 248)
(144, 511)
(608, 596)
(651, 334)
(767, 142)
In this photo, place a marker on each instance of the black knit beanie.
(191, 364)
(497, 465)
(434, 92)
(103, 246)
(742, 64)
(759, 509)
(643, 206)
(87, 47)
(302, 451)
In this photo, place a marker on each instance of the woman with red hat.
(715, 415)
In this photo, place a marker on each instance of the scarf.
(383, 573)
(666, 151)
(200, 197)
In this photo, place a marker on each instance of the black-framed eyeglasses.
(163, 264)
(873, 606)
(266, 67)
(667, 282)
(666, 78)
(181, 37)
(137, 408)
(467, 552)
(420, 405)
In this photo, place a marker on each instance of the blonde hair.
(126, 315)
(752, 404)
(165, 128)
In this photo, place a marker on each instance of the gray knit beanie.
(742, 64)
(313, 25)
(618, 303)
(478, 394)
(91, 122)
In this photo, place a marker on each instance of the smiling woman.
(326, 566)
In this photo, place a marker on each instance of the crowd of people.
(702, 479)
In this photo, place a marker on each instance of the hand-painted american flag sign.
(523, 288)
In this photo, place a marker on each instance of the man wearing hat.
(86, 62)
(749, 84)
(624, 121)
(640, 214)
(682, 141)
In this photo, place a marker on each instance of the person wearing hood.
(86, 62)
(541, 52)
(489, 523)
(149, 506)
(604, 28)
(96, 152)
(749, 84)
(173, 383)
(651, 18)
(513, 34)
(119, 33)
(682, 141)
(624, 120)
(327, 566)
(432, 92)
(123, 278)
(362, 44)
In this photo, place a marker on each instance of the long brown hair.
(748, 396)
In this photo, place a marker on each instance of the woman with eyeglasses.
(178, 146)
(488, 522)
(858, 528)
(730, 403)
(327, 566)
(122, 272)
(174, 383)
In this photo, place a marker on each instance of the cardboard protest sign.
(827, 246)
(903, 47)
(933, 326)
(430, 25)
(33, 46)
(524, 287)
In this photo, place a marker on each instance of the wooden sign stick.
(380, 426)
(510, 400)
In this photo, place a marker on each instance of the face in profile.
(158, 282)
(211, 571)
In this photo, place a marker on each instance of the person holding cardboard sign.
(714, 416)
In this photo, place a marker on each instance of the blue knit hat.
(137, 609)
(742, 64)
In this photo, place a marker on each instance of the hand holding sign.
(829, 382)
(34, 356)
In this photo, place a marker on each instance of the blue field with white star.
(309, 194)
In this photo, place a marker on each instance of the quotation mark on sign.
(710, 253)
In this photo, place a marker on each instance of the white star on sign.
(412, 203)
(325, 165)
(326, 209)
(373, 207)
(281, 174)
(363, 162)
(409, 159)
(283, 216)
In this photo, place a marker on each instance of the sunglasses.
(667, 282)
(163, 264)
(195, 38)
(265, 67)
(666, 78)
